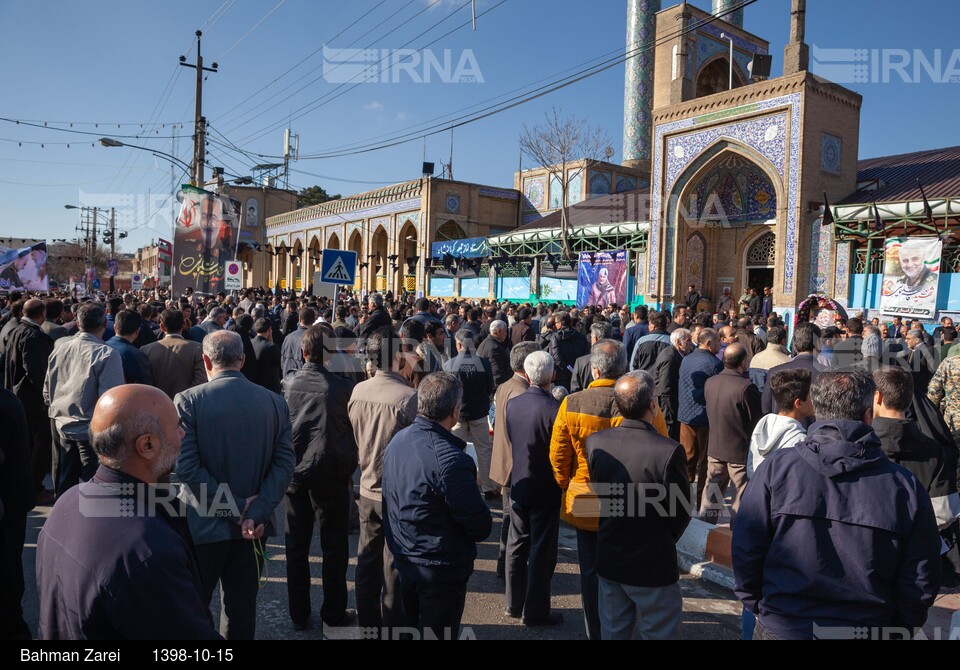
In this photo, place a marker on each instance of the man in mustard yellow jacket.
(582, 414)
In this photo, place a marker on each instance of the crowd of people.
(832, 453)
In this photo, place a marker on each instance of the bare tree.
(557, 142)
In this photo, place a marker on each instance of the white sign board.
(136, 282)
(233, 276)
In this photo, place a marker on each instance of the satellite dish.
(609, 152)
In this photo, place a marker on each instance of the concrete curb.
(704, 552)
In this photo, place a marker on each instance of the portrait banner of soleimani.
(911, 272)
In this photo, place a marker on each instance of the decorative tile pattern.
(830, 146)
(331, 231)
(575, 188)
(453, 203)
(498, 193)
(556, 192)
(821, 239)
(841, 291)
(638, 85)
(625, 183)
(738, 42)
(532, 216)
(734, 18)
(364, 213)
(534, 190)
(735, 190)
(695, 259)
(600, 183)
(753, 133)
(707, 48)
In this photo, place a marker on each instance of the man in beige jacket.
(501, 461)
(176, 364)
(379, 408)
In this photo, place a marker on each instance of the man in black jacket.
(119, 543)
(582, 374)
(326, 458)
(377, 316)
(497, 351)
(649, 346)
(16, 501)
(666, 374)
(636, 553)
(903, 442)
(476, 376)
(566, 346)
(27, 356)
(531, 555)
(268, 355)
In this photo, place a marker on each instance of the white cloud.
(401, 116)
(374, 106)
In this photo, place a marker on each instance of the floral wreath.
(815, 302)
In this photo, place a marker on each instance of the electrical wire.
(255, 26)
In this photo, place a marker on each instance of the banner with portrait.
(602, 278)
(911, 272)
(24, 268)
(205, 238)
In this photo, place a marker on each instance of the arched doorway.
(714, 77)
(451, 230)
(333, 242)
(408, 250)
(759, 262)
(282, 266)
(314, 259)
(378, 260)
(719, 200)
(298, 262)
(356, 244)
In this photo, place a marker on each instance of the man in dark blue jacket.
(636, 551)
(433, 510)
(115, 559)
(531, 555)
(136, 365)
(831, 535)
(326, 454)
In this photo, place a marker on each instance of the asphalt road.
(709, 612)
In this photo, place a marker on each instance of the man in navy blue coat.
(535, 512)
(136, 365)
(831, 535)
(115, 559)
(433, 510)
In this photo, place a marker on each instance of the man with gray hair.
(535, 497)
(636, 553)
(819, 504)
(376, 318)
(582, 376)
(216, 320)
(582, 414)
(82, 368)
(496, 350)
(434, 513)
(237, 448)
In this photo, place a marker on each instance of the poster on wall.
(911, 272)
(602, 278)
(205, 239)
(24, 268)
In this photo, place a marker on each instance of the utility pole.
(113, 242)
(199, 122)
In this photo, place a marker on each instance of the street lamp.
(92, 238)
(110, 142)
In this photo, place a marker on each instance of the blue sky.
(109, 62)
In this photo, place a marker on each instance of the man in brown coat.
(733, 410)
(501, 462)
(521, 330)
(176, 364)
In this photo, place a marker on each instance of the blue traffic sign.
(338, 267)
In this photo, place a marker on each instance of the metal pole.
(724, 36)
(113, 242)
(199, 147)
(866, 283)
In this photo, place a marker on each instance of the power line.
(255, 26)
(319, 102)
(251, 113)
(304, 60)
(516, 101)
(44, 126)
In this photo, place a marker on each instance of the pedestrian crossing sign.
(338, 267)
